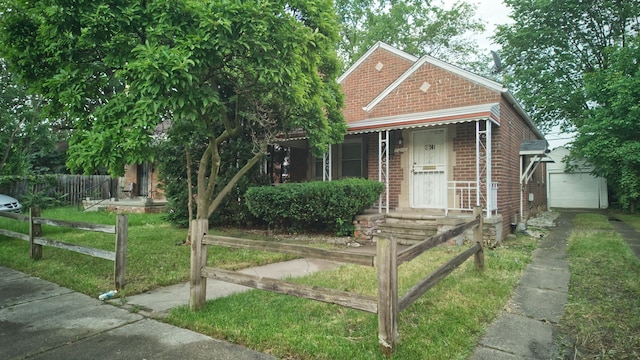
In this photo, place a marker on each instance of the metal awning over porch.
(486, 113)
(484, 116)
(430, 118)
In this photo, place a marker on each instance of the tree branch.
(216, 202)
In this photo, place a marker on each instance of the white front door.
(429, 178)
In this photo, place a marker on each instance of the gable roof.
(378, 45)
(417, 64)
(441, 64)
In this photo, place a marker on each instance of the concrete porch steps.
(412, 228)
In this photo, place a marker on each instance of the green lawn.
(155, 254)
(602, 317)
(445, 323)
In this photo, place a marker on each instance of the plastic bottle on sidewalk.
(108, 295)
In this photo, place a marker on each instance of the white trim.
(488, 164)
(327, 164)
(383, 169)
(439, 63)
(396, 121)
(378, 45)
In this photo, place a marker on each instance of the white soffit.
(429, 118)
(378, 45)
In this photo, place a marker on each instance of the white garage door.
(574, 191)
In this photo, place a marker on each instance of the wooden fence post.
(386, 262)
(35, 230)
(478, 257)
(198, 286)
(122, 237)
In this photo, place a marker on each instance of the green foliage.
(155, 255)
(575, 64)
(173, 174)
(28, 143)
(40, 199)
(604, 292)
(608, 133)
(7, 183)
(313, 205)
(550, 45)
(415, 26)
(210, 68)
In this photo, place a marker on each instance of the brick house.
(441, 138)
(141, 180)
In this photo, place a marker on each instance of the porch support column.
(327, 165)
(383, 169)
(488, 163)
(478, 140)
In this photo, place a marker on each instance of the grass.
(445, 323)
(631, 219)
(601, 316)
(155, 256)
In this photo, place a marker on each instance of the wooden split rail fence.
(387, 259)
(36, 240)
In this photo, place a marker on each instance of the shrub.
(314, 205)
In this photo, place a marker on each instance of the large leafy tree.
(609, 132)
(422, 27)
(575, 64)
(551, 45)
(28, 143)
(116, 69)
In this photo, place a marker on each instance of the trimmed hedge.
(316, 206)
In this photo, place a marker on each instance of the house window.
(319, 167)
(351, 158)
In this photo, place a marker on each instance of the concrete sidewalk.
(41, 320)
(525, 328)
(157, 303)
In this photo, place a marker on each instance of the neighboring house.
(441, 138)
(576, 188)
(141, 180)
(140, 187)
(138, 192)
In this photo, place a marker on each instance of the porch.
(135, 205)
(411, 226)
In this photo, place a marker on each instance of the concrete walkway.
(41, 320)
(630, 235)
(157, 303)
(525, 328)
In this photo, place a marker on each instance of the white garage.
(577, 189)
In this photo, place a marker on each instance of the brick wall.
(507, 140)
(445, 90)
(366, 82)
(131, 176)
(442, 89)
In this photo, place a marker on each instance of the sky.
(493, 13)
